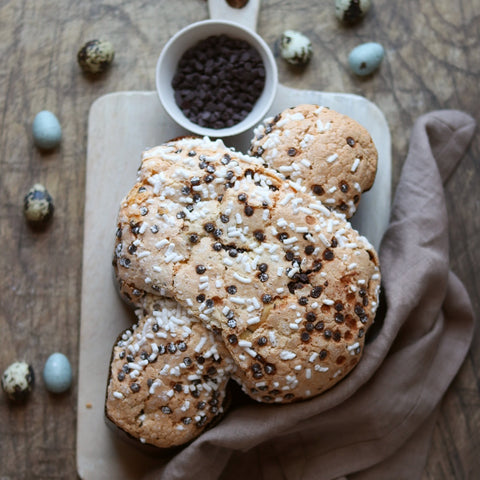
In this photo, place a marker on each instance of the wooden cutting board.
(121, 126)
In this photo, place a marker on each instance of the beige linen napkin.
(377, 422)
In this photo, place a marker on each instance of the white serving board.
(121, 126)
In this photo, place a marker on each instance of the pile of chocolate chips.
(218, 81)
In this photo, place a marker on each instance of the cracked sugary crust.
(203, 219)
(332, 155)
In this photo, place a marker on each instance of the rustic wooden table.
(432, 62)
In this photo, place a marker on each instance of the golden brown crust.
(281, 287)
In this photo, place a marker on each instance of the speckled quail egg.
(351, 11)
(46, 130)
(17, 381)
(95, 56)
(366, 58)
(295, 47)
(57, 373)
(38, 205)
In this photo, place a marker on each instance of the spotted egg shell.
(366, 58)
(351, 11)
(295, 48)
(95, 56)
(46, 130)
(17, 381)
(57, 373)
(38, 205)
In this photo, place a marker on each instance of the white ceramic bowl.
(190, 36)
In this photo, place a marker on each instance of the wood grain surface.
(432, 61)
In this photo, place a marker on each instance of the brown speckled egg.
(95, 56)
(38, 205)
(17, 381)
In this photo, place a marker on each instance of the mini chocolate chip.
(305, 336)
(193, 238)
(282, 236)
(242, 197)
(259, 235)
(121, 376)
(337, 336)
(263, 277)
(224, 218)
(327, 333)
(200, 269)
(134, 387)
(211, 371)
(328, 254)
(323, 354)
(208, 178)
(182, 346)
(166, 410)
(289, 256)
(217, 246)
(318, 190)
(270, 369)
(210, 168)
(132, 248)
(309, 327)
(201, 405)
(334, 242)
(189, 207)
(192, 153)
(317, 265)
(248, 210)
(288, 396)
(359, 310)
(143, 211)
(187, 361)
(231, 323)
(344, 187)
(351, 141)
(226, 159)
(178, 387)
(319, 326)
(259, 152)
(233, 252)
(195, 181)
(200, 298)
(266, 298)
(263, 267)
(232, 289)
(309, 249)
(171, 348)
(209, 303)
(292, 152)
(209, 227)
(262, 341)
(303, 301)
(339, 318)
(200, 360)
(316, 292)
(232, 339)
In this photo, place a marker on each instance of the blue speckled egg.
(366, 58)
(47, 132)
(57, 373)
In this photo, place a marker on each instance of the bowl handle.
(246, 16)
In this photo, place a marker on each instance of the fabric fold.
(383, 412)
